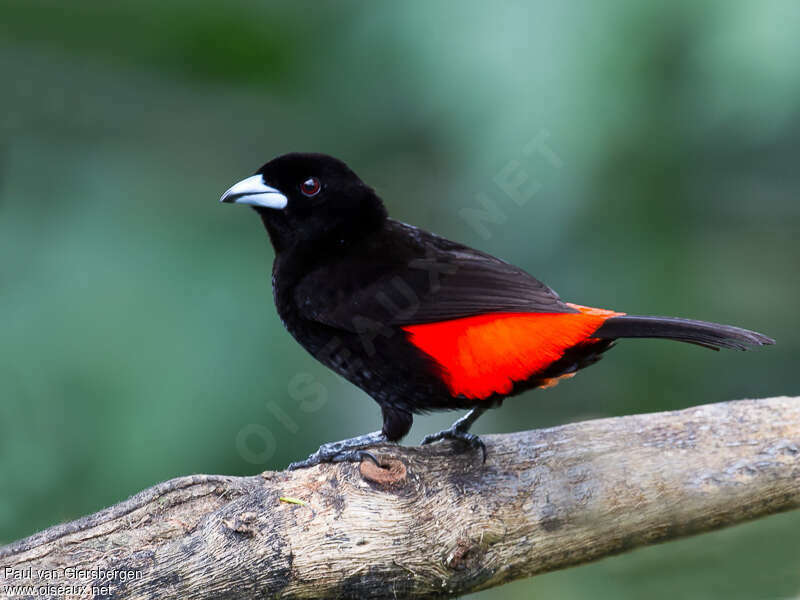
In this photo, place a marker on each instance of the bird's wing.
(407, 276)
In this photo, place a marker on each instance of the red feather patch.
(486, 354)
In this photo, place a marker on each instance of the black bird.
(418, 322)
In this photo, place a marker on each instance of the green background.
(138, 338)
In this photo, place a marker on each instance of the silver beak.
(255, 192)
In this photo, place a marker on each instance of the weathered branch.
(438, 523)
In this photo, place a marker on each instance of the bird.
(418, 322)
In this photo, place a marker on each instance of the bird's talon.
(351, 450)
(367, 454)
(470, 439)
(300, 464)
(429, 439)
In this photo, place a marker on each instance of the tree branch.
(437, 523)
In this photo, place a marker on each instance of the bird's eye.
(311, 186)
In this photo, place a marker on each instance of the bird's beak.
(255, 192)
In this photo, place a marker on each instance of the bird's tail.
(702, 333)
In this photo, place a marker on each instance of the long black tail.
(702, 333)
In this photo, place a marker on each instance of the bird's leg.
(349, 450)
(460, 431)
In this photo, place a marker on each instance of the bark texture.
(436, 522)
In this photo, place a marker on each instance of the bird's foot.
(457, 433)
(349, 450)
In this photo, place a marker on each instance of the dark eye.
(311, 186)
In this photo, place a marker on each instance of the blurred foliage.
(139, 339)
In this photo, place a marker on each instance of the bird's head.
(309, 199)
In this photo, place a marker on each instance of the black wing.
(406, 276)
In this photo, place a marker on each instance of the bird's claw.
(465, 437)
(345, 456)
(351, 450)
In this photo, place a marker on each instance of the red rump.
(486, 354)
